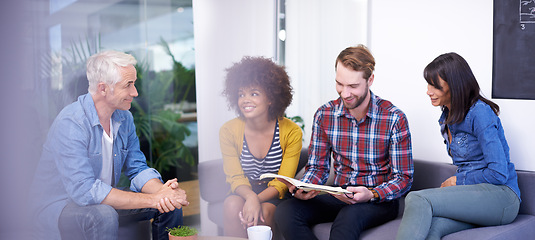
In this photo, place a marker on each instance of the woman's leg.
(268, 211)
(443, 226)
(232, 225)
(481, 204)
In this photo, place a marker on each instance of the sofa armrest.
(527, 191)
(212, 181)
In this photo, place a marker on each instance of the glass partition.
(159, 34)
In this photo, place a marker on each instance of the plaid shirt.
(374, 152)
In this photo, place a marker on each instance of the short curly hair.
(263, 73)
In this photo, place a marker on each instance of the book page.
(305, 186)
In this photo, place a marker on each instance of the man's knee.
(178, 215)
(279, 210)
(284, 213)
(89, 214)
(170, 219)
(102, 217)
(105, 214)
(90, 221)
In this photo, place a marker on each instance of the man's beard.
(359, 101)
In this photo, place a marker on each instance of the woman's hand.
(252, 212)
(452, 181)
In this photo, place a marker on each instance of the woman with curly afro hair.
(260, 140)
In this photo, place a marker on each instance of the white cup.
(259, 233)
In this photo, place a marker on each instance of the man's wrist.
(375, 196)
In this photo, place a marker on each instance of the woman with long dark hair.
(484, 190)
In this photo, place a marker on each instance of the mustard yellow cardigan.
(231, 141)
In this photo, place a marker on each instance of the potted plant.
(182, 233)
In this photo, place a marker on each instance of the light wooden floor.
(192, 191)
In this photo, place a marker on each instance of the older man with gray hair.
(88, 145)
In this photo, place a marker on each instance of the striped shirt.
(254, 167)
(373, 152)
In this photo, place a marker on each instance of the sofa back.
(429, 174)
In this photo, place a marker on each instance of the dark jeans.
(101, 222)
(295, 217)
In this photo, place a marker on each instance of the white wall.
(407, 35)
(224, 31)
(317, 30)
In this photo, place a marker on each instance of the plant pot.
(192, 237)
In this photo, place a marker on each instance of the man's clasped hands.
(170, 197)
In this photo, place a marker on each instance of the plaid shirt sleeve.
(401, 162)
(319, 152)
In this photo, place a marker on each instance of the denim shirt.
(479, 148)
(71, 162)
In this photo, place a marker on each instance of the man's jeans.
(101, 222)
(433, 213)
(296, 217)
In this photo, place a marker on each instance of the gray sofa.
(427, 174)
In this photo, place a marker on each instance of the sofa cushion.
(383, 232)
(322, 230)
(522, 228)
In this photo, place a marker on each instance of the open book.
(305, 186)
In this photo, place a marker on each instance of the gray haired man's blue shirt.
(71, 163)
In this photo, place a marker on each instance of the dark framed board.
(513, 63)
